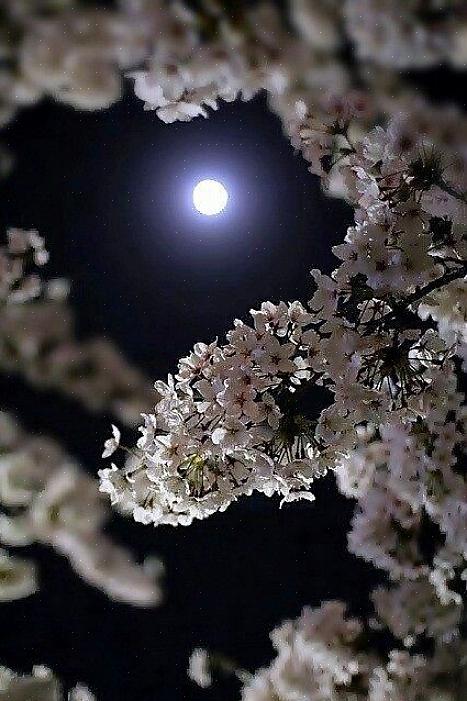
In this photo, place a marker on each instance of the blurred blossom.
(198, 669)
(17, 577)
(47, 498)
(40, 685)
(37, 338)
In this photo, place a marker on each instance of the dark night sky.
(111, 194)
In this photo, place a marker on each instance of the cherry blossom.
(384, 336)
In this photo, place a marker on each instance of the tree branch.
(419, 293)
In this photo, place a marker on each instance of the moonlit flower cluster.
(40, 685)
(328, 130)
(218, 430)
(46, 497)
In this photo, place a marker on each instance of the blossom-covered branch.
(323, 655)
(184, 58)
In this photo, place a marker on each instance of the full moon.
(210, 197)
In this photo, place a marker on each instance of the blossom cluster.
(46, 497)
(219, 431)
(325, 653)
(40, 684)
(321, 655)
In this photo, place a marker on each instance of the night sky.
(111, 192)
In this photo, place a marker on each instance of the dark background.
(111, 194)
